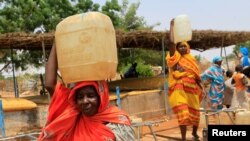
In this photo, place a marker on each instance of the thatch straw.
(201, 40)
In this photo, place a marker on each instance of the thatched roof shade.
(202, 40)
(26, 41)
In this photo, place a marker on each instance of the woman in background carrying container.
(82, 111)
(185, 92)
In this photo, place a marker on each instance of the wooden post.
(14, 76)
(167, 108)
(44, 60)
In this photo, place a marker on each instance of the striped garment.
(184, 92)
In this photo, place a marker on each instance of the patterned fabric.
(65, 122)
(184, 92)
(122, 132)
(186, 61)
(215, 75)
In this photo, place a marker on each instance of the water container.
(242, 117)
(224, 118)
(203, 123)
(86, 47)
(182, 29)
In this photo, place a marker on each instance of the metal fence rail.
(30, 136)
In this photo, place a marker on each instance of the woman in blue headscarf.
(245, 61)
(215, 74)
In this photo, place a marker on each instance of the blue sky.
(227, 15)
(230, 15)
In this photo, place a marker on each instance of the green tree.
(125, 16)
(143, 57)
(112, 9)
(129, 18)
(27, 15)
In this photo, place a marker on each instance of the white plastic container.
(182, 29)
(86, 47)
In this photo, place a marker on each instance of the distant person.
(240, 98)
(184, 89)
(229, 89)
(131, 72)
(82, 111)
(245, 61)
(215, 75)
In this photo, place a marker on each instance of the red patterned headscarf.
(70, 124)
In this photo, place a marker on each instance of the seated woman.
(131, 72)
(82, 112)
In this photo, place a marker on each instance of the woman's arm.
(244, 80)
(232, 81)
(171, 38)
(51, 71)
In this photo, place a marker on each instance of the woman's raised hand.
(171, 31)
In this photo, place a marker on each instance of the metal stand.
(216, 112)
(31, 136)
(118, 101)
(146, 123)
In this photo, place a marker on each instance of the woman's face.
(87, 100)
(219, 62)
(182, 49)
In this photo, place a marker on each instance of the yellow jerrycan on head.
(182, 29)
(86, 47)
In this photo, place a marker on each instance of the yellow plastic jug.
(182, 29)
(86, 47)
